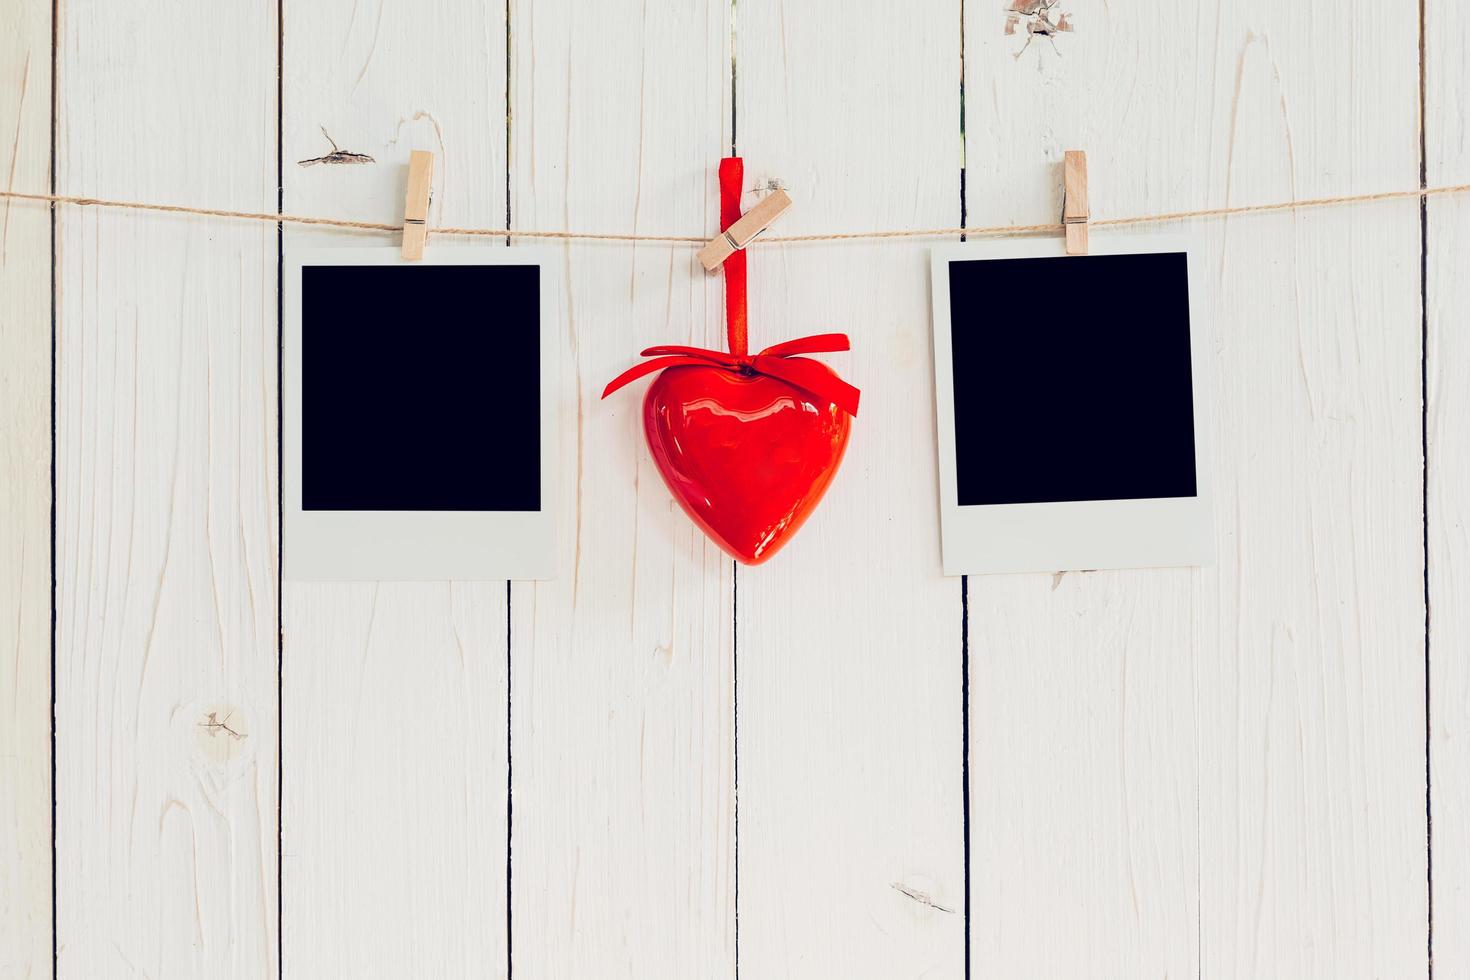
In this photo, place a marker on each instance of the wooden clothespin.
(416, 204)
(739, 235)
(1075, 214)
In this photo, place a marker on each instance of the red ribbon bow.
(776, 361)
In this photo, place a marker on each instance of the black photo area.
(420, 388)
(1072, 378)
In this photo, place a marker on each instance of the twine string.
(850, 236)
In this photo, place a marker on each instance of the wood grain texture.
(1447, 145)
(849, 649)
(166, 538)
(1221, 771)
(1311, 680)
(25, 495)
(623, 839)
(394, 694)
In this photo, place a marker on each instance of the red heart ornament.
(747, 456)
(746, 443)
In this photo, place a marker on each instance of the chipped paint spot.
(922, 897)
(336, 156)
(1039, 20)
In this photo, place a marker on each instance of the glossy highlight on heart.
(747, 456)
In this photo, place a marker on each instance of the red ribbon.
(776, 361)
(732, 180)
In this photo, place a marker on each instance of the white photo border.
(1071, 535)
(414, 545)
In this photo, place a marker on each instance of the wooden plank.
(1447, 145)
(849, 654)
(1083, 772)
(623, 844)
(395, 703)
(394, 793)
(25, 496)
(166, 537)
(1311, 680)
(1220, 771)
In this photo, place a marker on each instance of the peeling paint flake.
(922, 897)
(337, 155)
(1037, 15)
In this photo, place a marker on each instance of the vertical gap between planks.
(1424, 503)
(733, 77)
(965, 750)
(55, 102)
(964, 210)
(509, 792)
(735, 714)
(280, 496)
(508, 67)
(735, 565)
(964, 579)
(509, 682)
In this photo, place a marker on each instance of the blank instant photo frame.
(417, 430)
(1072, 400)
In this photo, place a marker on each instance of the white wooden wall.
(838, 764)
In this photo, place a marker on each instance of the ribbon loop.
(774, 362)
